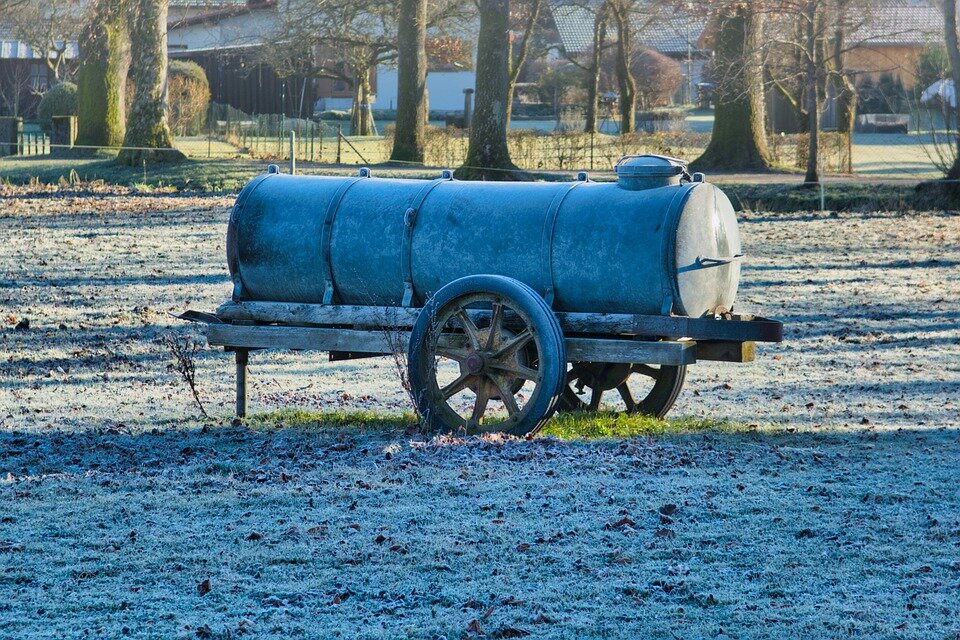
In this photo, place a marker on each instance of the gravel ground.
(834, 515)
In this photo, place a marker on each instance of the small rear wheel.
(633, 388)
(487, 354)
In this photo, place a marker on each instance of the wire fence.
(228, 133)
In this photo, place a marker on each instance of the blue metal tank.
(655, 242)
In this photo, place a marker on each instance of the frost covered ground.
(831, 512)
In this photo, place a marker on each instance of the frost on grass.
(120, 513)
(303, 531)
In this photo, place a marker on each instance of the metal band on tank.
(546, 240)
(409, 222)
(233, 232)
(327, 234)
(671, 288)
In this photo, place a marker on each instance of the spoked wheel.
(633, 388)
(487, 354)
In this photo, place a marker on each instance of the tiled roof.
(900, 22)
(889, 23)
(666, 34)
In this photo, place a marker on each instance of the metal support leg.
(242, 359)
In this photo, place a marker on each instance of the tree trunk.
(953, 52)
(488, 157)
(148, 137)
(628, 86)
(410, 132)
(846, 91)
(102, 77)
(593, 79)
(812, 94)
(361, 118)
(739, 139)
(516, 66)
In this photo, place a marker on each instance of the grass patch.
(214, 175)
(569, 426)
(842, 196)
(594, 426)
(230, 175)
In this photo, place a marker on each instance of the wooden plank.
(738, 328)
(319, 314)
(721, 351)
(386, 342)
(606, 350)
(307, 338)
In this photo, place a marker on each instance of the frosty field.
(825, 506)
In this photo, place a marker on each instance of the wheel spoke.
(452, 353)
(516, 370)
(473, 334)
(517, 343)
(456, 386)
(506, 396)
(627, 396)
(646, 370)
(480, 405)
(496, 324)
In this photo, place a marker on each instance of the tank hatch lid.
(649, 166)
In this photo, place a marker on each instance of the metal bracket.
(409, 223)
(546, 239)
(327, 233)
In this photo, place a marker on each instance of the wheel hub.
(475, 363)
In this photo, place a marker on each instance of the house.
(450, 72)
(679, 35)
(891, 40)
(226, 38)
(24, 74)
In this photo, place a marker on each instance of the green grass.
(604, 425)
(569, 426)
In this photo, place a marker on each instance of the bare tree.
(738, 141)
(528, 15)
(148, 137)
(488, 157)
(953, 53)
(600, 20)
(807, 50)
(622, 18)
(49, 27)
(339, 39)
(16, 80)
(410, 133)
(102, 75)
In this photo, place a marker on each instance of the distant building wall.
(444, 89)
(874, 61)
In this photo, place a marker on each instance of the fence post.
(339, 139)
(321, 140)
(10, 130)
(293, 152)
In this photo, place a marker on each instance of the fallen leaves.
(204, 587)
